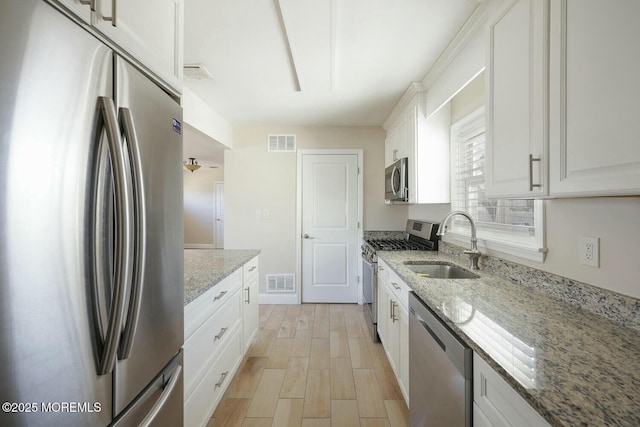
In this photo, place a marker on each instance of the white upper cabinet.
(516, 128)
(150, 31)
(397, 141)
(424, 142)
(594, 94)
(563, 92)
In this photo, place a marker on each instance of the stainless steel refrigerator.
(91, 260)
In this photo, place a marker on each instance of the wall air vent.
(281, 143)
(281, 283)
(196, 71)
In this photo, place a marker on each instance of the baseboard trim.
(278, 299)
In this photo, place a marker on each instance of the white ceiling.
(353, 58)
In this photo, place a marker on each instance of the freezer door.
(52, 75)
(154, 327)
(161, 403)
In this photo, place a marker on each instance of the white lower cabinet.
(199, 406)
(219, 327)
(393, 323)
(496, 404)
(250, 299)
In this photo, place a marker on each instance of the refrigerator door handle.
(139, 240)
(171, 385)
(122, 270)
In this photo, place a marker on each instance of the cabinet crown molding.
(415, 88)
(475, 23)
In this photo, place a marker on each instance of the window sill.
(498, 247)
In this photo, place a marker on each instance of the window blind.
(515, 216)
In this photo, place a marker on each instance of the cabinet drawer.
(199, 406)
(250, 269)
(399, 289)
(501, 405)
(207, 341)
(198, 311)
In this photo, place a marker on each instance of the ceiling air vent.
(281, 143)
(280, 283)
(196, 71)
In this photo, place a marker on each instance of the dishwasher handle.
(428, 329)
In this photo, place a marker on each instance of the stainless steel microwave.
(396, 180)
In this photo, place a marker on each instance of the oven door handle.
(367, 261)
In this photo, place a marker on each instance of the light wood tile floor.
(313, 365)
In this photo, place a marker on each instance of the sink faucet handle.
(474, 255)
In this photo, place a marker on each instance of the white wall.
(615, 220)
(199, 205)
(258, 180)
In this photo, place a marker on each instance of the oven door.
(370, 297)
(395, 186)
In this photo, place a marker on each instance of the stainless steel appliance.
(418, 236)
(91, 259)
(441, 371)
(396, 181)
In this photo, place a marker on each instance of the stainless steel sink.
(439, 270)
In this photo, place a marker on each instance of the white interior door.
(219, 237)
(330, 252)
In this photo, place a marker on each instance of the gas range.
(420, 236)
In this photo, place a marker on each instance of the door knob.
(306, 236)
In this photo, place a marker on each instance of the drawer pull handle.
(220, 295)
(252, 268)
(220, 334)
(395, 285)
(248, 300)
(393, 312)
(221, 380)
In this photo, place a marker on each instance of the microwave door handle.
(393, 186)
(139, 225)
(122, 268)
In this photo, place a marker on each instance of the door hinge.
(358, 170)
(358, 279)
(358, 225)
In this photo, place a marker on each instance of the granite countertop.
(204, 268)
(574, 367)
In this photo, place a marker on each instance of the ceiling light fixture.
(192, 164)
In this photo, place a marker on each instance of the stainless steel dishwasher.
(441, 371)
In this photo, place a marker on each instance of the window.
(508, 226)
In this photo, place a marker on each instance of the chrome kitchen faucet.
(473, 252)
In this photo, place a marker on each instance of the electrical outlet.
(589, 251)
